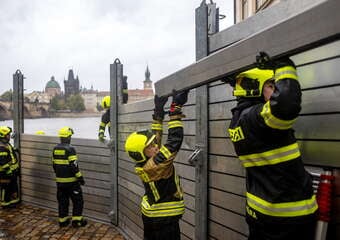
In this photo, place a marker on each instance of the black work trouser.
(66, 191)
(166, 228)
(270, 231)
(9, 190)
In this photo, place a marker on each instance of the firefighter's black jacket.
(65, 164)
(163, 194)
(105, 120)
(8, 160)
(278, 187)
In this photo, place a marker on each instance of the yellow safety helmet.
(40, 132)
(65, 132)
(106, 102)
(137, 142)
(4, 131)
(250, 83)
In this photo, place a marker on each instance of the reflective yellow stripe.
(178, 186)
(102, 124)
(14, 166)
(125, 91)
(285, 72)
(174, 124)
(154, 191)
(78, 174)
(273, 121)
(10, 202)
(140, 172)
(3, 153)
(167, 154)
(66, 180)
(271, 157)
(3, 167)
(236, 134)
(287, 209)
(64, 219)
(13, 158)
(77, 218)
(59, 152)
(157, 126)
(162, 209)
(72, 157)
(61, 162)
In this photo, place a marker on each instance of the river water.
(86, 127)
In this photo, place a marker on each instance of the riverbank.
(76, 115)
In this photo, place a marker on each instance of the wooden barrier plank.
(228, 183)
(321, 127)
(220, 231)
(320, 153)
(228, 201)
(227, 165)
(326, 99)
(221, 146)
(131, 186)
(221, 110)
(187, 230)
(227, 218)
(326, 51)
(261, 20)
(132, 230)
(242, 53)
(319, 74)
(146, 116)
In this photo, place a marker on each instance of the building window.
(262, 4)
(245, 9)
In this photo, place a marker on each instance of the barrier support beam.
(314, 27)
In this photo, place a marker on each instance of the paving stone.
(27, 222)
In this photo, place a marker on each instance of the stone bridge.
(31, 110)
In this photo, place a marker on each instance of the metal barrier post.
(206, 23)
(116, 76)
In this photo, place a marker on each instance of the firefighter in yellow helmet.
(69, 180)
(162, 204)
(9, 170)
(105, 120)
(280, 203)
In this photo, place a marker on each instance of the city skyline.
(46, 38)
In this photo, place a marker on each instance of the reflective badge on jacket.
(236, 134)
(59, 152)
(144, 176)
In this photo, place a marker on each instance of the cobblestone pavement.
(33, 223)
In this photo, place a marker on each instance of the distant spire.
(147, 82)
(70, 75)
(147, 74)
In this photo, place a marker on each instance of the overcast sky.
(48, 37)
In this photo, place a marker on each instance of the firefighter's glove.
(101, 137)
(159, 107)
(178, 100)
(9, 172)
(17, 172)
(263, 61)
(231, 80)
(81, 181)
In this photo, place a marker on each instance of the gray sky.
(48, 37)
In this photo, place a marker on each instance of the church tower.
(71, 84)
(147, 82)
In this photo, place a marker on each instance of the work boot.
(64, 224)
(79, 223)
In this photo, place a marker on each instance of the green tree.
(7, 96)
(58, 103)
(75, 103)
